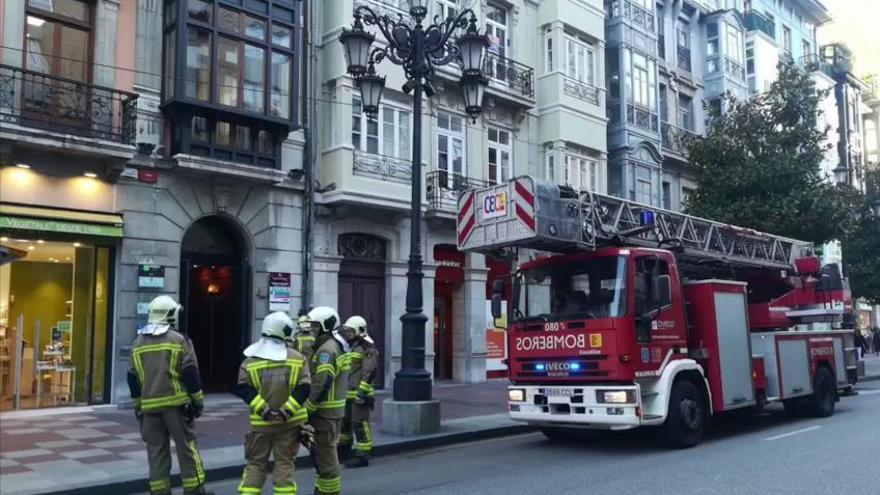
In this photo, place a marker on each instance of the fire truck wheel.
(686, 421)
(824, 394)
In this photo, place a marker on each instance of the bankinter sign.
(550, 342)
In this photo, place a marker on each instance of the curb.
(872, 378)
(231, 472)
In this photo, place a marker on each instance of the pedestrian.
(364, 361)
(326, 404)
(167, 393)
(860, 343)
(274, 381)
(877, 340)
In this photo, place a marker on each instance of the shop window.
(55, 300)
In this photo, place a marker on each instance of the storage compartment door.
(839, 364)
(733, 348)
(795, 365)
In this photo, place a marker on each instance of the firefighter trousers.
(345, 435)
(328, 481)
(361, 431)
(282, 443)
(157, 429)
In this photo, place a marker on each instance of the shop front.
(448, 278)
(56, 305)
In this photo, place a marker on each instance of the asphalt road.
(770, 454)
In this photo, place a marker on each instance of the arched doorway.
(362, 286)
(214, 293)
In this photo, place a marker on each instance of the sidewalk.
(62, 450)
(872, 368)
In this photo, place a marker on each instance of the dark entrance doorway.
(447, 280)
(362, 286)
(213, 274)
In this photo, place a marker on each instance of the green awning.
(39, 219)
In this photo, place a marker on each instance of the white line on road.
(796, 432)
(869, 392)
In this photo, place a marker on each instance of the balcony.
(734, 69)
(56, 104)
(582, 91)
(641, 117)
(443, 188)
(683, 55)
(675, 139)
(382, 167)
(520, 78)
(755, 21)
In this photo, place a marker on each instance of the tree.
(759, 166)
(861, 244)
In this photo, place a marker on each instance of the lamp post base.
(410, 418)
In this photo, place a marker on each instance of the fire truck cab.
(626, 316)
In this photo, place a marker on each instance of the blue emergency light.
(646, 217)
(540, 366)
(574, 366)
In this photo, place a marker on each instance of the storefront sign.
(147, 176)
(279, 291)
(496, 338)
(450, 265)
(151, 277)
(143, 308)
(21, 223)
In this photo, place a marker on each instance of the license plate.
(530, 408)
(559, 392)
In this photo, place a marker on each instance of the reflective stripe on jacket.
(330, 367)
(274, 382)
(157, 361)
(364, 359)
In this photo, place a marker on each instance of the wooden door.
(362, 292)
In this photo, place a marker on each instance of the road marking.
(796, 432)
(868, 392)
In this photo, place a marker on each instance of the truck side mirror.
(497, 294)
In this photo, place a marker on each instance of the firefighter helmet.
(277, 325)
(325, 318)
(359, 325)
(164, 310)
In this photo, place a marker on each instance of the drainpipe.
(309, 98)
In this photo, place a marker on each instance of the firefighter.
(364, 361)
(304, 339)
(167, 393)
(274, 381)
(326, 404)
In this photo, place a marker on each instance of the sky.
(856, 23)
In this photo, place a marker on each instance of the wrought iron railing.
(443, 188)
(580, 90)
(642, 117)
(734, 69)
(517, 76)
(43, 101)
(382, 167)
(675, 139)
(683, 54)
(755, 21)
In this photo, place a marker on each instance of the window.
(643, 186)
(239, 59)
(750, 57)
(58, 37)
(497, 18)
(805, 48)
(580, 172)
(640, 80)
(198, 63)
(580, 60)
(445, 9)
(661, 35)
(386, 134)
(685, 112)
(683, 34)
(500, 150)
(786, 39)
(646, 267)
(667, 195)
(548, 62)
(733, 43)
(664, 104)
(551, 167)
(450, 143)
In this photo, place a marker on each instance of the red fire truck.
(624, 315)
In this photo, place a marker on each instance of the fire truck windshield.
(589, 289)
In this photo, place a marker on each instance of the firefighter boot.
(358, 460)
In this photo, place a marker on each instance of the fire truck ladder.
(608, 220)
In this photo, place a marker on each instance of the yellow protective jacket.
(329, 367)
(364, 361)
(164, 373)
(264, 384)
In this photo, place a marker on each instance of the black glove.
(197, 406)
(307, 435)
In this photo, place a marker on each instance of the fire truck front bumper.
(604, 407)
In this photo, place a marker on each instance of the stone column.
(395, 306)
(469, 333)
(325, 280)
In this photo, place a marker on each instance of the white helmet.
(359, 325)
(326, 317)
(277, 325)
(304, 325)
(163, 313)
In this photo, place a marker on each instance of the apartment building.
(543, 114)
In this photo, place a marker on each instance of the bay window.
(580, 172)
(580, 60)
(640, 79)
(386, 134)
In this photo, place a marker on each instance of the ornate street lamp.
(418, 49)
